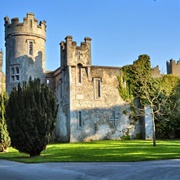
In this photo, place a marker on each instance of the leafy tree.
(31, 113)
(168, 125)
(4, 135)
(145, 89)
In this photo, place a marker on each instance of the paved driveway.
(157, 170)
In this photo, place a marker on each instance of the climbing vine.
(137, 86)
(129, 78)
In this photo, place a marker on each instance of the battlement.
(28, 26)
(73, 44)
(173, 67)
(76, 54)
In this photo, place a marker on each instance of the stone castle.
(90, 107)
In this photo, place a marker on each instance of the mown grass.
(101, 151)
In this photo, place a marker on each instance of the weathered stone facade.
(90, 107)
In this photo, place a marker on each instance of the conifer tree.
(4, 135)
(31, 113)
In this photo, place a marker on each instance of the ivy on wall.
(161, 94)
(130, 77)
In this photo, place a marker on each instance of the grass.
(101, 151)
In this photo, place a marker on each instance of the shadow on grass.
(102, 151)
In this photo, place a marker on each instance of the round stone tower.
(25, 50)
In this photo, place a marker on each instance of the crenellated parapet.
(173, 67)
(71, 54)
(29, 25)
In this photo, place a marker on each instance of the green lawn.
(101, 151)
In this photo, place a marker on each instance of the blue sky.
(121, 30)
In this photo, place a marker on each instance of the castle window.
(114, 118)
(79, 74)
(31, 48)
(17, 70)
(14, 73)
(80, 118)
(61, 88)
(97, 88)
(12, 69)
(17, 77)
(31, 23)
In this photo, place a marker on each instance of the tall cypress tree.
(4, 135)
(31, 113)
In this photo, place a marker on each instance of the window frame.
(15, 73)
(97, 88)
(80, 122)
(30, 47)
(79, 74)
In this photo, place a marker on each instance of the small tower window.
(14, 73)
(17, 70)
(12, 70)
(31, 48)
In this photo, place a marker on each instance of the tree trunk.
(154, 130)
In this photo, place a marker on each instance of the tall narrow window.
(80, 119)
(61, 88)
(17, 70)
(79, 73)
(17, 73)
(12, 70)
(97, 88)
(31, 48)
(31, 22)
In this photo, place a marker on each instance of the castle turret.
(173, 67)
(71, 54)
(25, 50)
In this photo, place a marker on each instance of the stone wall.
(103, 117)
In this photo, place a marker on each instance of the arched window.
(12, 70)
(17, 70)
